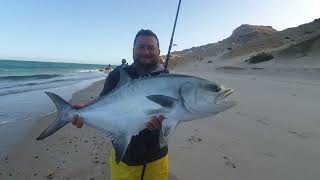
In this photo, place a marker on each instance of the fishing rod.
(171, 40)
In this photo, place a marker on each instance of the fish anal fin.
(164, 101)
(120, 141)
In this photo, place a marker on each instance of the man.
(144, 159)
(123, 63)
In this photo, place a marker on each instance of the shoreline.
(71, 153)
(18, 112)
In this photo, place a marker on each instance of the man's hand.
(155, 122)
(77, 120)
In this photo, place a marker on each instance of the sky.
(102, 31)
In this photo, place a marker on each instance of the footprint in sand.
(185, 147)
(229, 162)
(242, 114)
(301, 135)
(270, 154)
(263, 121)
(172, 176)
(193, 139)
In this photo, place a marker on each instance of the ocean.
(22, 76)
(22, 87)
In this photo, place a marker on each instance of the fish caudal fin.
(63, 118)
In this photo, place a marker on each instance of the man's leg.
(122, 171)
(156, 170)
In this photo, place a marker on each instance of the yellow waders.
(156, 170)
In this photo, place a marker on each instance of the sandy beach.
(272, 133)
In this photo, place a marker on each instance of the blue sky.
(101, 31)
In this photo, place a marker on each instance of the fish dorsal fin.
(168, 126)
(123, 78)
(164, 101)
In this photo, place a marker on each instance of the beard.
(148, 65)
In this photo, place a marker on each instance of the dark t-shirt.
(144, 147)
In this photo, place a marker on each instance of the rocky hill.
(250, 39)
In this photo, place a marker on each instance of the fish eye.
(212, 87)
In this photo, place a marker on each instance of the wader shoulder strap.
(143, 170)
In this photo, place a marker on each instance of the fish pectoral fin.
(167, 129)
(120, 143)
(164, 101)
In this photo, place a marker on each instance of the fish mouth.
(222, 95)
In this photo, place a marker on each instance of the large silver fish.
(123, 112)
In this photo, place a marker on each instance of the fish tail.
(65, 112)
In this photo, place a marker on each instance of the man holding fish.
(133, 105)
(143, 150)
